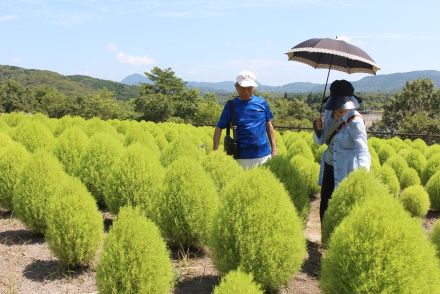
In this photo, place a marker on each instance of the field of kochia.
(165, 187)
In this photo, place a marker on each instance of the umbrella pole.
(326, 82)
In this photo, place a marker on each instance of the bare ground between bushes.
(27, 266)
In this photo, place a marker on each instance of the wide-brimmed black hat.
(342, 96)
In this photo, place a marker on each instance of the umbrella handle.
(326, 82)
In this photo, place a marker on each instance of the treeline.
(415, 109)
(166, 99)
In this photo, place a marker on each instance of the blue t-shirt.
(252, 116)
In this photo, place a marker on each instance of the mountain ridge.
(385, 83)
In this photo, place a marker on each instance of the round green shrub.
(287, 174)
(385, 152)
(432, 166)
(353, 190)
(237, 282)
(433, 189)
(431, 151)
(221, 167)
(136, 180)
(308, 172)
(415, 200)
(40, 181)
(416, 160)
(397, 163)
(134, 258)
(70, 148)
(435, 236)
(67, 122)
(319, 152)
(12, 162)
(74, 225)
(34, 135)
(181, 147)
(188, 204)
(376, 143)
(379, 248)
(388, 177)
(257, 230)
(409, 177)
(96, 164)
(300, 147)
(281, 147)
(5, 140)
(420, 145)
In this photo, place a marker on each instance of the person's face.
(244, 92)
(340, 112)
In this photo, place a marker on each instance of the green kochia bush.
(435, 236)
(221, 167)
(96, 164)
(409, 177)
(289, 175)
(134, 258)
(433, 189)
(12, 161)
(257, 230)
(74, 225)
(34, 135)
(416, 160)
(397, 163)
(70, 148)
(188, 204)
(432, 166)
(385, 152)
(354, 189)
(136, 180)
(388, 177)
(415, 200)
(237, 282)
(308, 172)
(178, 148)
(41, 179)
(379, 248)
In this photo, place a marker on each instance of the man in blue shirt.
(255, 132)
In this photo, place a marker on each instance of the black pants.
(327, 187)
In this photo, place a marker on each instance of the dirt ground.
(27, 266)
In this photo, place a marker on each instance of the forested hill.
(68, 85)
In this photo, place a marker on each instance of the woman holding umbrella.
(343, 130)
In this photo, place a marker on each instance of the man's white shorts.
(253, 162)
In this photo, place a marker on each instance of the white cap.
(246, 79)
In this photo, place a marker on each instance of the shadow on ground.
(50, 270)
(197, 285)
(312, 265)
(20, 237)
(5, 214)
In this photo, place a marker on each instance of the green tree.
(164, 81)
(413, 108)
(50, 101)
(15, 97)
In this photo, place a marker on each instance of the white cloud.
(128, 58)
(134, 60)
(7, 17)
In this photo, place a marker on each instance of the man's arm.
(271, 135)
(217, 135)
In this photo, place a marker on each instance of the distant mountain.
(388, 83)
(135, 79)
(68, 85)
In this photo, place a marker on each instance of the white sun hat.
(246, 79)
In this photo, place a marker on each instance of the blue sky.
(213, 40)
